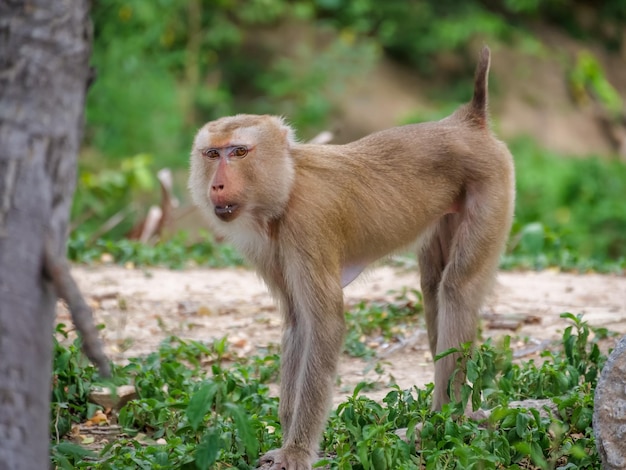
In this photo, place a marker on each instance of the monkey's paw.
(287, 458)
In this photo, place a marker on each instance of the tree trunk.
(44, 67)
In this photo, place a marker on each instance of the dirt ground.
(142, 307)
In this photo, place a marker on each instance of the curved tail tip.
(479, 100)
(484, 62)
(485, 53)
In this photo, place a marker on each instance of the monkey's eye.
(239, 152)
(211, 153)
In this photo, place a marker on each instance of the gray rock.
(609, 414)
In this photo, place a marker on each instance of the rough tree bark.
(44, 67)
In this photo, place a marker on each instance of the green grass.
(176, 253)
(212, 413)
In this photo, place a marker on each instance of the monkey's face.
(241, 166)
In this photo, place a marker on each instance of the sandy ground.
(141, 307)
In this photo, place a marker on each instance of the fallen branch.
(322, 138)
(109, 225)
(508, 321)
(411, 341)
(538, 347)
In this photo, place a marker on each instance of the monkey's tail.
(478, 105)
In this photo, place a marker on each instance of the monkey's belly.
(350, 272)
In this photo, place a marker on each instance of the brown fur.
(310, 217)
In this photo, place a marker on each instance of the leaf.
(533, 238)
(410, 430)
(200, 403)
(476, 398)
(472, 371)
(363, 455)
(379, 461)
(584, 419)
(445, 353)
(536, 454)
(62, 463)
(72, 450)
(245, 430)
(207, 449)
(570, 316)
(521, 423)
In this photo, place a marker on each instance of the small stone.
(109, 400)
(238, 342)
(107, 258)
(204, 311)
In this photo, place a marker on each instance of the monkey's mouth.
(227, 212)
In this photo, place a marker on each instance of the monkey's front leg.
(310, 349)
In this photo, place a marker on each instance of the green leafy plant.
(176, 252)
(72, 379)
(197, 410)
(204, 415)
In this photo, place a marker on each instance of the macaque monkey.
(311, 217)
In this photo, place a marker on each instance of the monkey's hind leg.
(474, 251)
(433, 257)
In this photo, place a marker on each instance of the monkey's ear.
(286, 130)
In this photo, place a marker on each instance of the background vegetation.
(165, 67)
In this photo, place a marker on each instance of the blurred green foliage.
(568, 210)
(111, 197)
(164, 67)
(587, 76)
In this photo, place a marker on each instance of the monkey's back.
(408, 176)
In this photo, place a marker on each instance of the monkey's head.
(242, 166)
